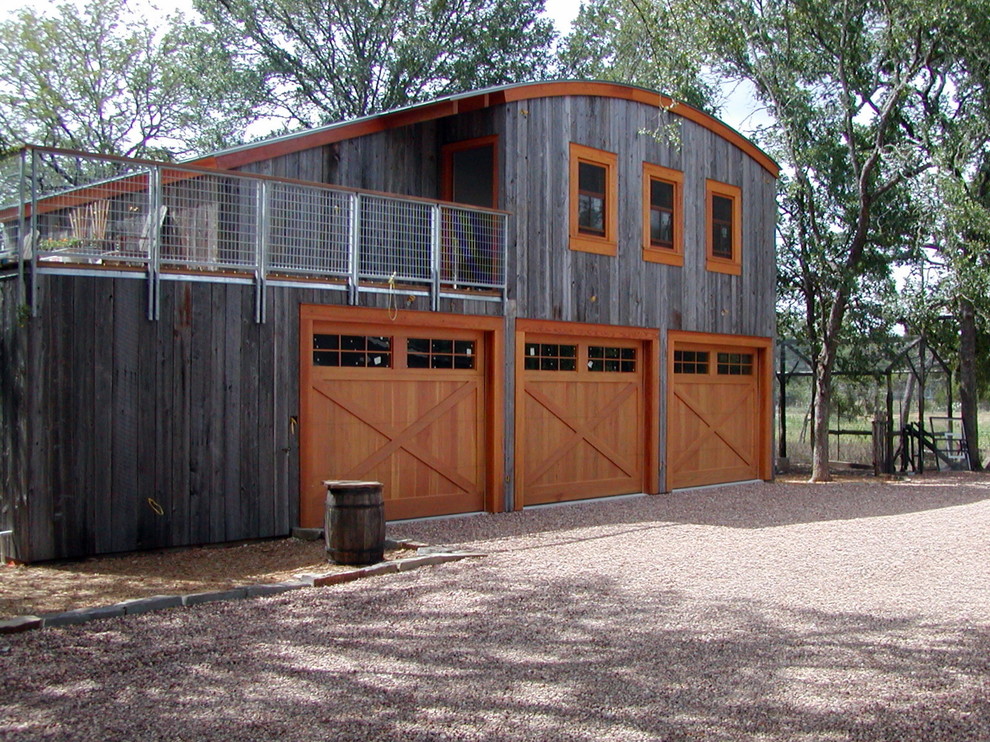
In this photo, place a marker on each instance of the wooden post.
(782, 443)
(921, 405)
(880, 437)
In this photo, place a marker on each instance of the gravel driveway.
(853, 610)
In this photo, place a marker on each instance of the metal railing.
(71, 211)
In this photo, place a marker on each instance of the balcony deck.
(77, 212)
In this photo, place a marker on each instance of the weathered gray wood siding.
(103, 410)
(13, 418)
(553, 282)
(548, 280)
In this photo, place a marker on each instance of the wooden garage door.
(399, 405)
(580, 418)
(713, 430)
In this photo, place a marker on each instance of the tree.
(326, 60)
(100, 80)
(954, 131)
(948, 296)
(630, 41)
(843, 80)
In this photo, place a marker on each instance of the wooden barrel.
(354, 522)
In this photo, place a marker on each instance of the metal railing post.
(503, 221)
(435, 257)
(455, 254)
(21, 224)
(354, 249)
(33, 232)
(156, 202)
(263, 244)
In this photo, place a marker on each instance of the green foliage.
(958, 268)
(101, 80)
(638, 42)
(326, 60)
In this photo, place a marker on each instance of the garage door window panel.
(352, 351)
(735, 364)
(550, 357)
(690, 362)
(440, 353)
(609, 359)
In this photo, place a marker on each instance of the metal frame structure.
(914, 438)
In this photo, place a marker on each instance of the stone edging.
(426, 556)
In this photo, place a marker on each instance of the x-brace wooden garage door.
(584, 412)
(718, 410)
(404, 404)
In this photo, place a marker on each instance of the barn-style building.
(521, 295)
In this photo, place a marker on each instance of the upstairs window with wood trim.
(723, 208)
(593, 200)
(663, 215)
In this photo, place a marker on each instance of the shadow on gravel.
(418, 658)
(770, 505)
(752, 506)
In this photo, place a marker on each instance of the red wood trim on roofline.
(452, 106)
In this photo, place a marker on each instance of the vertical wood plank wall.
(103, 409)
(118, 414)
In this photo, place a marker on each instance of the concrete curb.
(426, 556)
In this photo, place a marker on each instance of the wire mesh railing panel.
(309, 230)
(209, 221)
(395, 239)
(89, 209)
(472, 248)
(92, 209)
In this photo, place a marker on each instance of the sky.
(740, 112)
